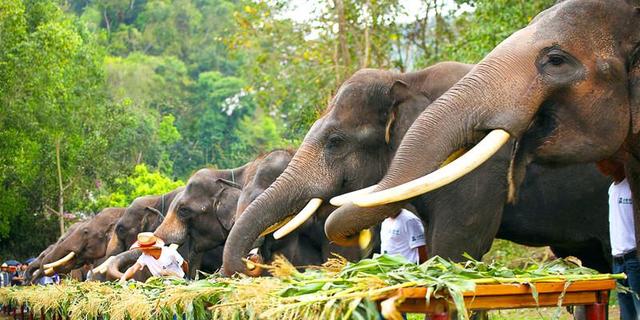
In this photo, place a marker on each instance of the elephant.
(566, 88)
(85, 244)
(203, 214)
(309, 246)
(345, 150)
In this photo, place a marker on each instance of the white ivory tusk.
(343, 199)
(60, 262)
(486, 148)
(174, 246)
(48, 272)
(299, 219)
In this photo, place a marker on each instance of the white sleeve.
(176, 256)
(141, 260)
(415, 231)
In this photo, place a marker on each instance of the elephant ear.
(399, 92)
(225, 201)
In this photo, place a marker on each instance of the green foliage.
(141, 182)
(50, 90)
(479, 31)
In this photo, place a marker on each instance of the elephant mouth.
(290, 223)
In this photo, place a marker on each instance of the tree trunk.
(367, 40)
(61, 188)
(345, 58)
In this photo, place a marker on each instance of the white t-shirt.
(169, 263)
(621, 228)
(402, 235)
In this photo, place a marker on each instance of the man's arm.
(422, 254)
(185, 267)
(417, 239)
(130, 272)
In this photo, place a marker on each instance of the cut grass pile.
(337, 290)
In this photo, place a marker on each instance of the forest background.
(102, 101)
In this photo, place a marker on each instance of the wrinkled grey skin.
(88, 241)
(566, 87)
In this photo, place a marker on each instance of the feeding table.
(594, 294)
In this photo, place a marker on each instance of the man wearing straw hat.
(161, 260)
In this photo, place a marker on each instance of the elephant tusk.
(174, 246)
(102, 268)
(306, 213)
(343, 199)
(48, 272)
(486, 148)
(60, 262)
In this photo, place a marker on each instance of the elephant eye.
(334, 142)
(556, 60)
(559, 67)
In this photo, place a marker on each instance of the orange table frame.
(594, 294)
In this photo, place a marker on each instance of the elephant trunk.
(122, 260)
(286, 196)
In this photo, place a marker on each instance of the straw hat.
(147, 240)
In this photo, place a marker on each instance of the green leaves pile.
(338, 290)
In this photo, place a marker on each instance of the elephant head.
(262, 173)
(144, 214)
(349, 147)
(566, 88)
(203, 213)
(85, 244)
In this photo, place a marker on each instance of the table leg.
(598, 310)
(440, 316)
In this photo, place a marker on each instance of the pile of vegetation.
(337, 290)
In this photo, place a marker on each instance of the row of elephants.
(554, 96)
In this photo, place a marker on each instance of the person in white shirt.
(622, 235)
(404, 235)
(161, 260)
